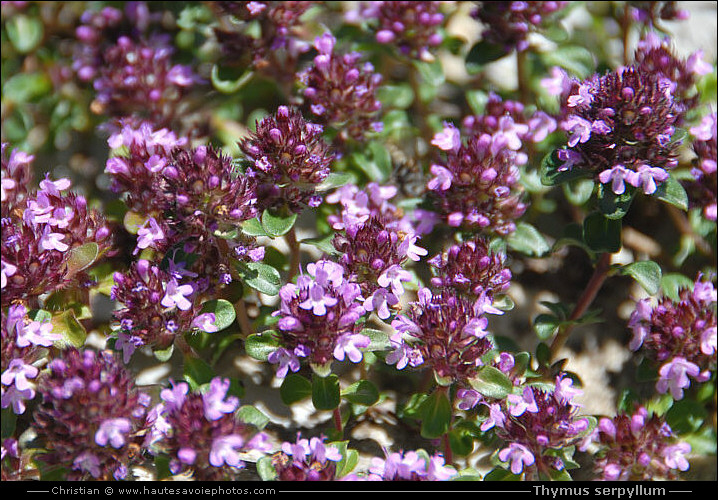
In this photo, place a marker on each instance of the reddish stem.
(589, 294)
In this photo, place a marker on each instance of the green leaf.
(500, 474)
(673, 283)
(277, 225)
(477, 100)
(545, 325)
(197, 372)
(492, 383)
(7, 423)
(266, 469)
(528, 240)
(260, 345)
(224, 313)
(294, 388)
(72, 331)
(323, 243)
(376, 165)
(25, 32)
(461, 442)
(361, 392)
(436, 415)
(672, 192)
(612, 205)
(26, 87)
(252, 416)
(647, 273)
(602, 234)
(395, 96)
(578, 191)
(325, 392)
(253, 227)
(503, 302)
(229, 86)
(262, 277)
(432, 73)
(573, 58)
(686, 416)
(335, 180)
(350, 459)
(133, 221)
(82, 257)
(483, 53)
(164, 355)
(552, 176)
(379, 339)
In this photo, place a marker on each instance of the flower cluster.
(289, 159)
(471, 268)
(319, 319)
(91, 417)
(306, 460)
(651, 13)
(408, 466)
(376, 244)
(638, 447)
(702, 190)
(201, 433)
(508, 121)
(443, 332)
(40, 232)
(132, 73)
(158, 306)
(340, 91)
(411, 27)
(508, 24)
(187, 197)
(538, 425)
(680, 336)
(620, 128)
(655, 55)
(276, 49)
(476, 186)
(25, 341)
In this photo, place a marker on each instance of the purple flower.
(215, 404)
(519, 457)
(174, 397)
(441, 180)
(175, 295)
(286, 360)
(306, 460)
(348, 345)
(578, 128)
(674, 456)
(520, 404)
(206, 322)
(17, 375)
(496, 417)
(225, 451)
(449, 139)
(646, 178)
(148, 234)
(674, 377)
(113, 431)
(317, 301)
(616, 175)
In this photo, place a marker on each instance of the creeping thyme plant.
(361, 241)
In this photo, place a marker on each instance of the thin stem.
(589, 293)
(521, 76)
(684, 226)
(295, 256)
(338, 420)
(626, 29)
(245, 324)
